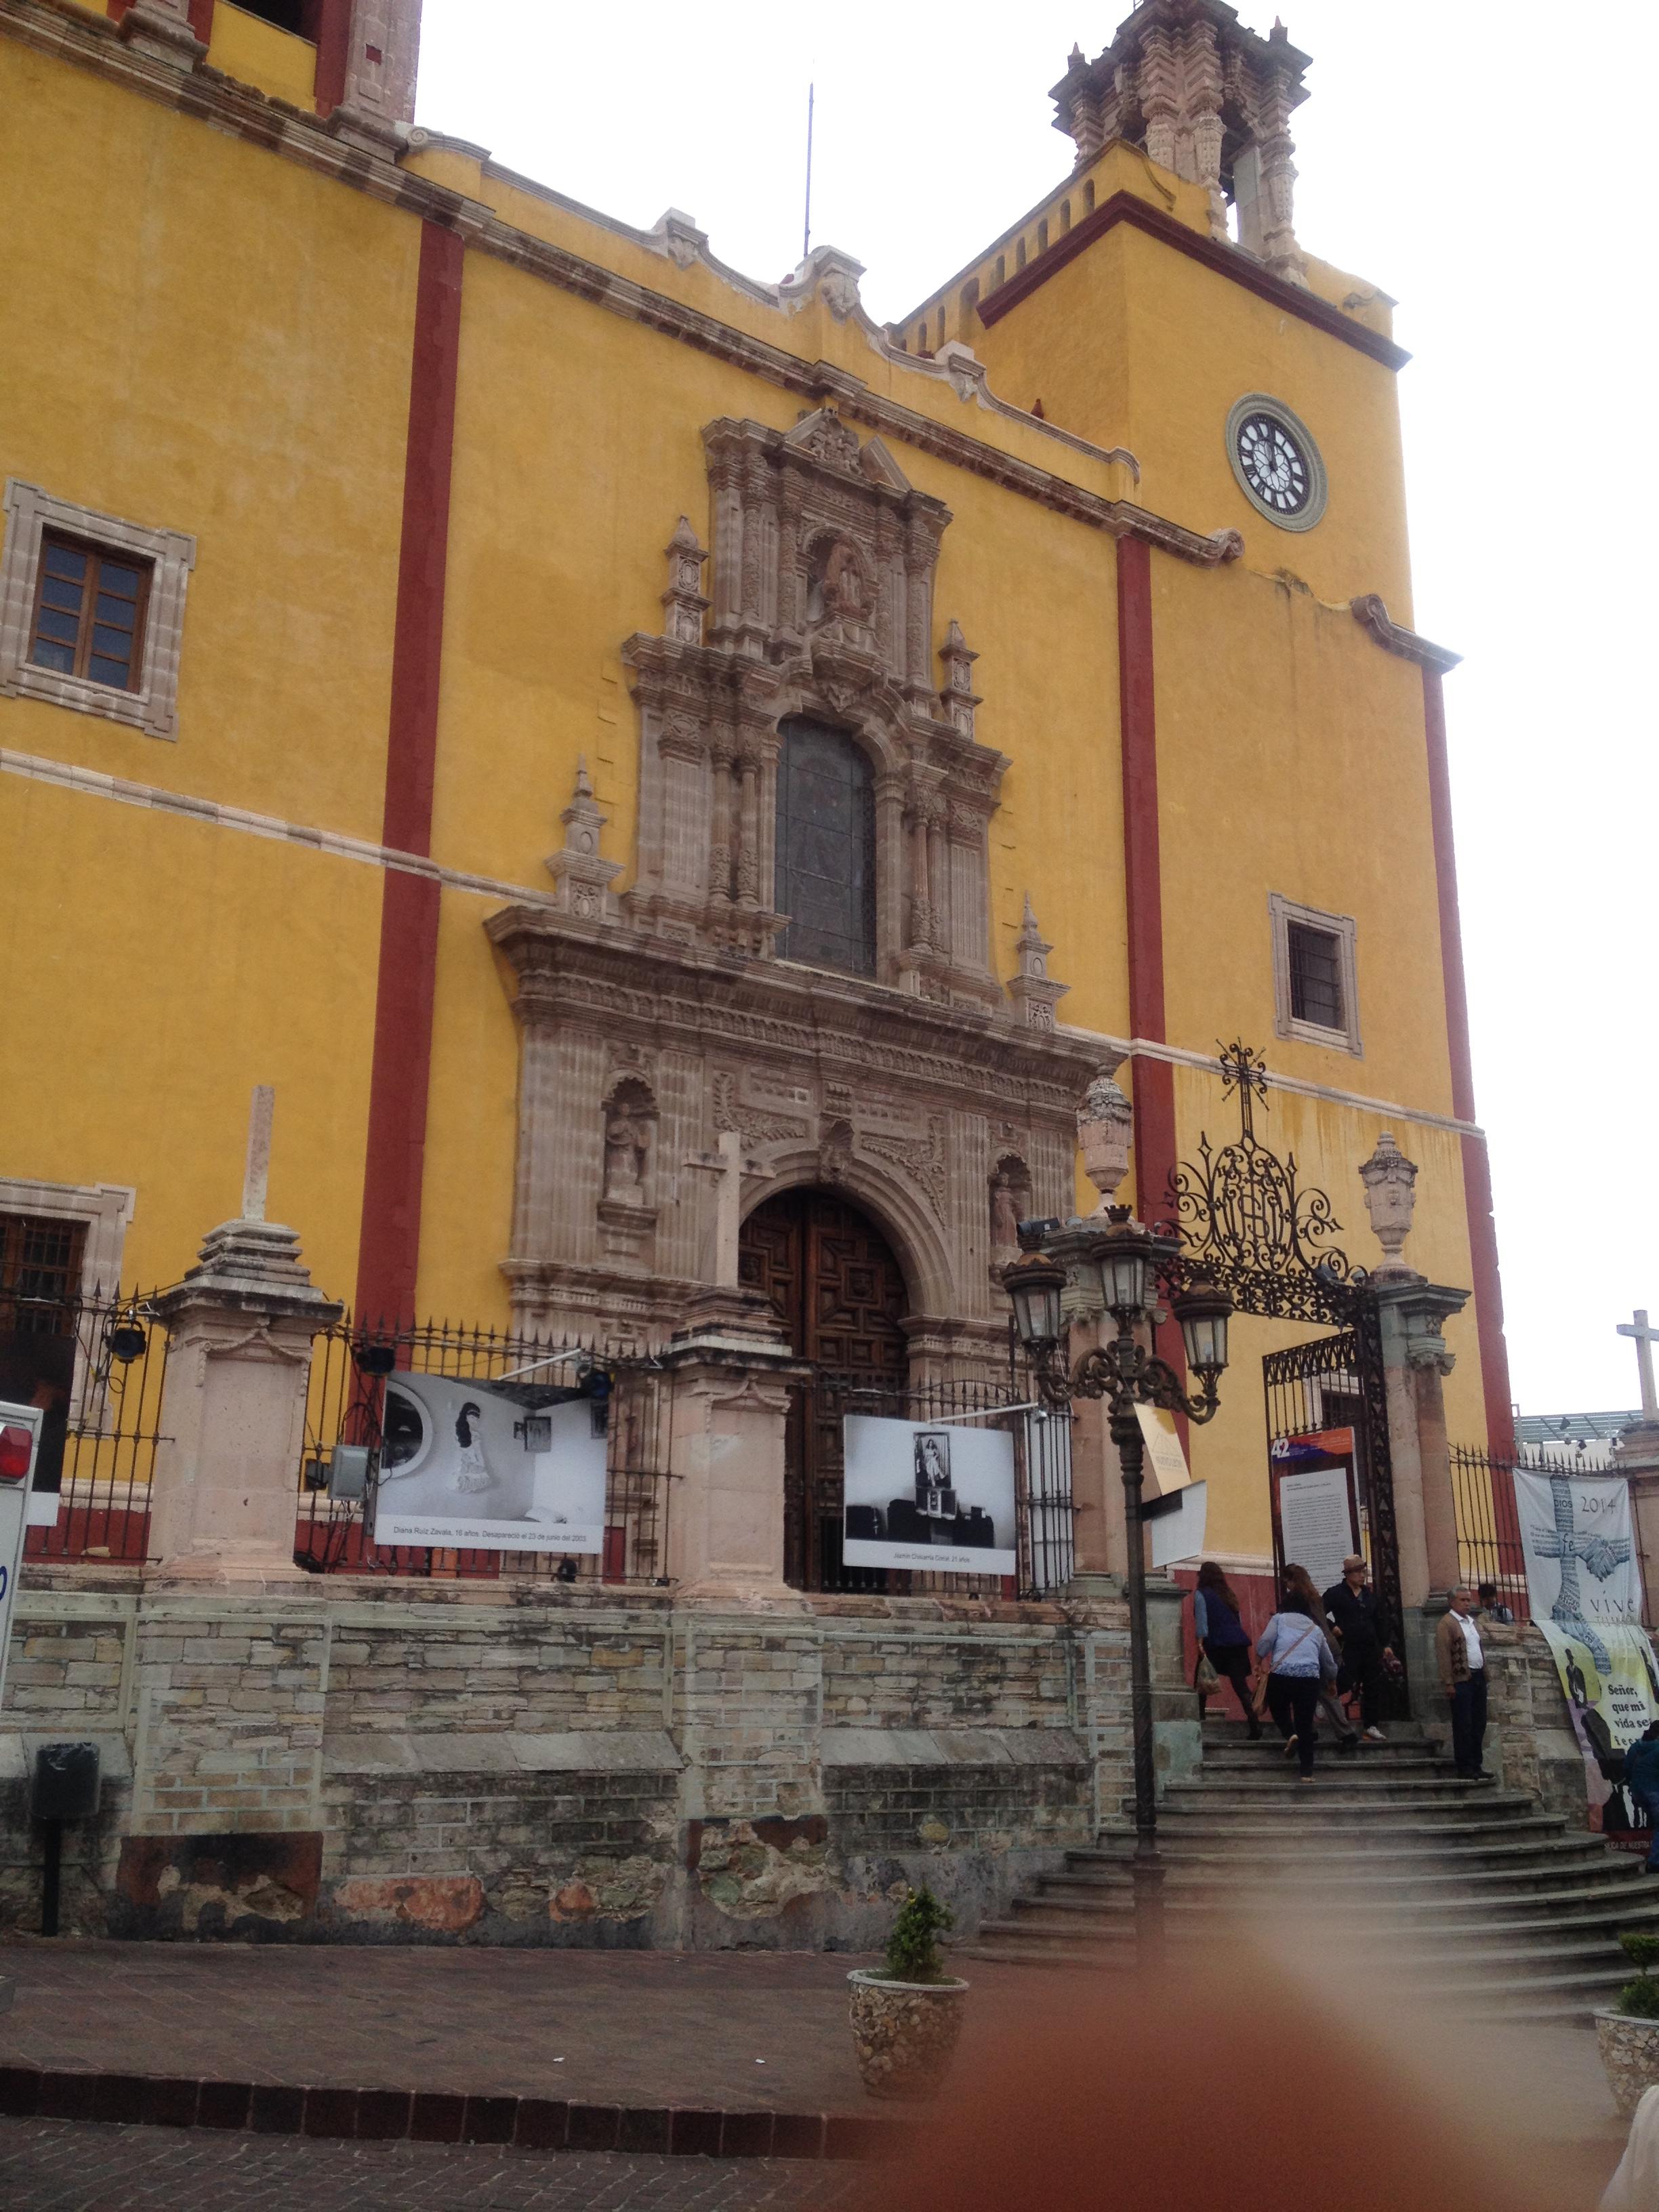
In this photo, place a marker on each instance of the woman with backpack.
(1298, 1581)
(1221, 1638)
(1295, 1660)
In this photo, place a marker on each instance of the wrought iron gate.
(1246, 1222)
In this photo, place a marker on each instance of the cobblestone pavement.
(65, 2166)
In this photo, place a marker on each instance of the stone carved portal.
(838, 1292)
(821, 587)
(678, 1066)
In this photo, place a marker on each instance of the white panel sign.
(937, 1498)
(20, 1442)
(467, 1468)
(1179, 1533)
(1316, 1522)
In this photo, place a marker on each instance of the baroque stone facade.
(675, 1071)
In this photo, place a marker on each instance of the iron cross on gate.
(1646, 1338)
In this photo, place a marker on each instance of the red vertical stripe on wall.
(1477, 1172)
(390, 1240)
(332, 32)
(1143, 889)
(1153, 1079)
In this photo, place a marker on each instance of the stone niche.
(675, 1071)
(820, 604)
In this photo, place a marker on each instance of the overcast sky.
(1440, 157)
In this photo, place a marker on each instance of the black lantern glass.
(1035, 1286)
(1203, 1311)
(1125, 1264)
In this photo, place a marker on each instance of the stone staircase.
(1464, 1886)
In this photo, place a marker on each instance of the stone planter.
(904, 2032)
(1630, 2057)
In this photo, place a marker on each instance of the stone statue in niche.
(627, 1147)
(1011, 1201)
(838, 591)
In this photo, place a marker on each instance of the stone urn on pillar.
(1104, 1123)
(241, 1327)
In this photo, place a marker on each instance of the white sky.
(1439, 157)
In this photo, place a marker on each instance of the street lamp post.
(1130, 1259)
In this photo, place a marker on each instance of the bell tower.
(1201, 94)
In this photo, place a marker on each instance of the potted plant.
(1628, 2033)
(907, 2013)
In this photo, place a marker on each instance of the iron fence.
(353, 1369)
(95, 1363)
(1488, 1520)
(1043, 1523)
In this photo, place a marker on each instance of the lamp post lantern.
(1131, 1260)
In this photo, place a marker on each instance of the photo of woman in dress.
(473, 1472)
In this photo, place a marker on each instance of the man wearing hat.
(1350, 1606)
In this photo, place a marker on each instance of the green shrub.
(1639, 1998)
(913, 1952)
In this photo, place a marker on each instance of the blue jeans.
(1649, 1802)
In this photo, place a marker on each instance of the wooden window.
(39, 1273)
(826, 842)
(89, 607)
(1315, 977)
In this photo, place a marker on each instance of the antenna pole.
(806, 227)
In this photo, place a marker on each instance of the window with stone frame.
(89, 608)
(40, 1261)
(826, 848)
(1315, 979)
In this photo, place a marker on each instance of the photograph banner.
(932, 1496)
(467, 1468)
(1583, 1584)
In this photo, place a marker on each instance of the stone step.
(1337, 1783)
(1335, 1804)
(1445, 1891)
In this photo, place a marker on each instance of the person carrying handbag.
(1223, 1643)
(1295, 1660)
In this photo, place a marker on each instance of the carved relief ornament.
(819, 603)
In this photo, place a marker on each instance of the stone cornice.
(1226, 260)
(336, 149)
(644, 988)
(1369, 611)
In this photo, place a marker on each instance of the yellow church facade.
(595, 732)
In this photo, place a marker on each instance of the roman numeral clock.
(1276, 461)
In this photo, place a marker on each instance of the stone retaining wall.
(441, 1762)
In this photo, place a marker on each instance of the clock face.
(1276, 461)
(1274, 466)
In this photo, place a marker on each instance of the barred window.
(39, 1273)
(1315, 977)
(826, 875)
(89, 613)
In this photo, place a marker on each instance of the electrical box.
(66, 1782)
(347, 1471)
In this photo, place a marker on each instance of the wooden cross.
(1646, 1338)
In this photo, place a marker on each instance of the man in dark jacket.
(1351, 1607)
(1641, 1780)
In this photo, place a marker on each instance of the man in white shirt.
(1464, 1677)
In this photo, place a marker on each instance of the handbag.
(1259, 1694)
(1205, 1680)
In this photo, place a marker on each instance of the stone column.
(241, 1327)
(1636, 1456)
(1415, 1362)
(729, 1368)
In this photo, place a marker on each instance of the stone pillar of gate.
(1636, 1456)
(1411, 1314)
(241, 1327)
(729, 1370)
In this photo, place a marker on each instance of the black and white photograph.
(466, 1466)
(921, 1496)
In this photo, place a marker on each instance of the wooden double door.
(839, 1295)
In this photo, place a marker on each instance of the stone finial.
(256, 1175)
(958, 698)
(1033, 990)
(1390, 1180)
(1104, 1123)
(583, 880)
(827, 274)
(683, 598)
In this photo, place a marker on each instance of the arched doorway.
(839, 1295)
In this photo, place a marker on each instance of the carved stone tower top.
(1184, 80)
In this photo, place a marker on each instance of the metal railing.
(1488, 1524)
(354, 1367)
(95, 1363)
